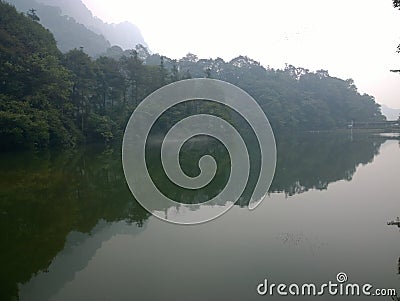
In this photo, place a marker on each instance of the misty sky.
(350, 38)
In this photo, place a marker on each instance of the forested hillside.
(293, 97)
(52, 99)
(68, 33)
(125, 34)
(74, 26)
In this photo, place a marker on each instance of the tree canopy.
(48, 98)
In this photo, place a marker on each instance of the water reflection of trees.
(43, 198)
(305, 162)
(316, 160)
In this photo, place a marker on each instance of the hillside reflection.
(46, 197)
(315, 161)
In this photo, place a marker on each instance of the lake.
(71, 229)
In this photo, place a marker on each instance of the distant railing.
(375, 124)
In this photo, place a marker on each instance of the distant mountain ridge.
(390, 113)
(125, 34)
(74, 26)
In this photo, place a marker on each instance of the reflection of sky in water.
(390, 135)
(78, 251)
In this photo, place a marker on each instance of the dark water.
(71, 230)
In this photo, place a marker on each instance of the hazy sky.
(350, 38)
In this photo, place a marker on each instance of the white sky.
(350, 38)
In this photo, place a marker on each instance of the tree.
(83, 84)
(35, 87)
(133, 70)
(110, 83)
(52, 99)
(32, 15)
(163, 71)
(207, 72)
(174, 72)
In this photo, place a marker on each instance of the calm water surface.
(71, 230)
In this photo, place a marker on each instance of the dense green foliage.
(293, 97)
(34, 85)
(52, 99)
